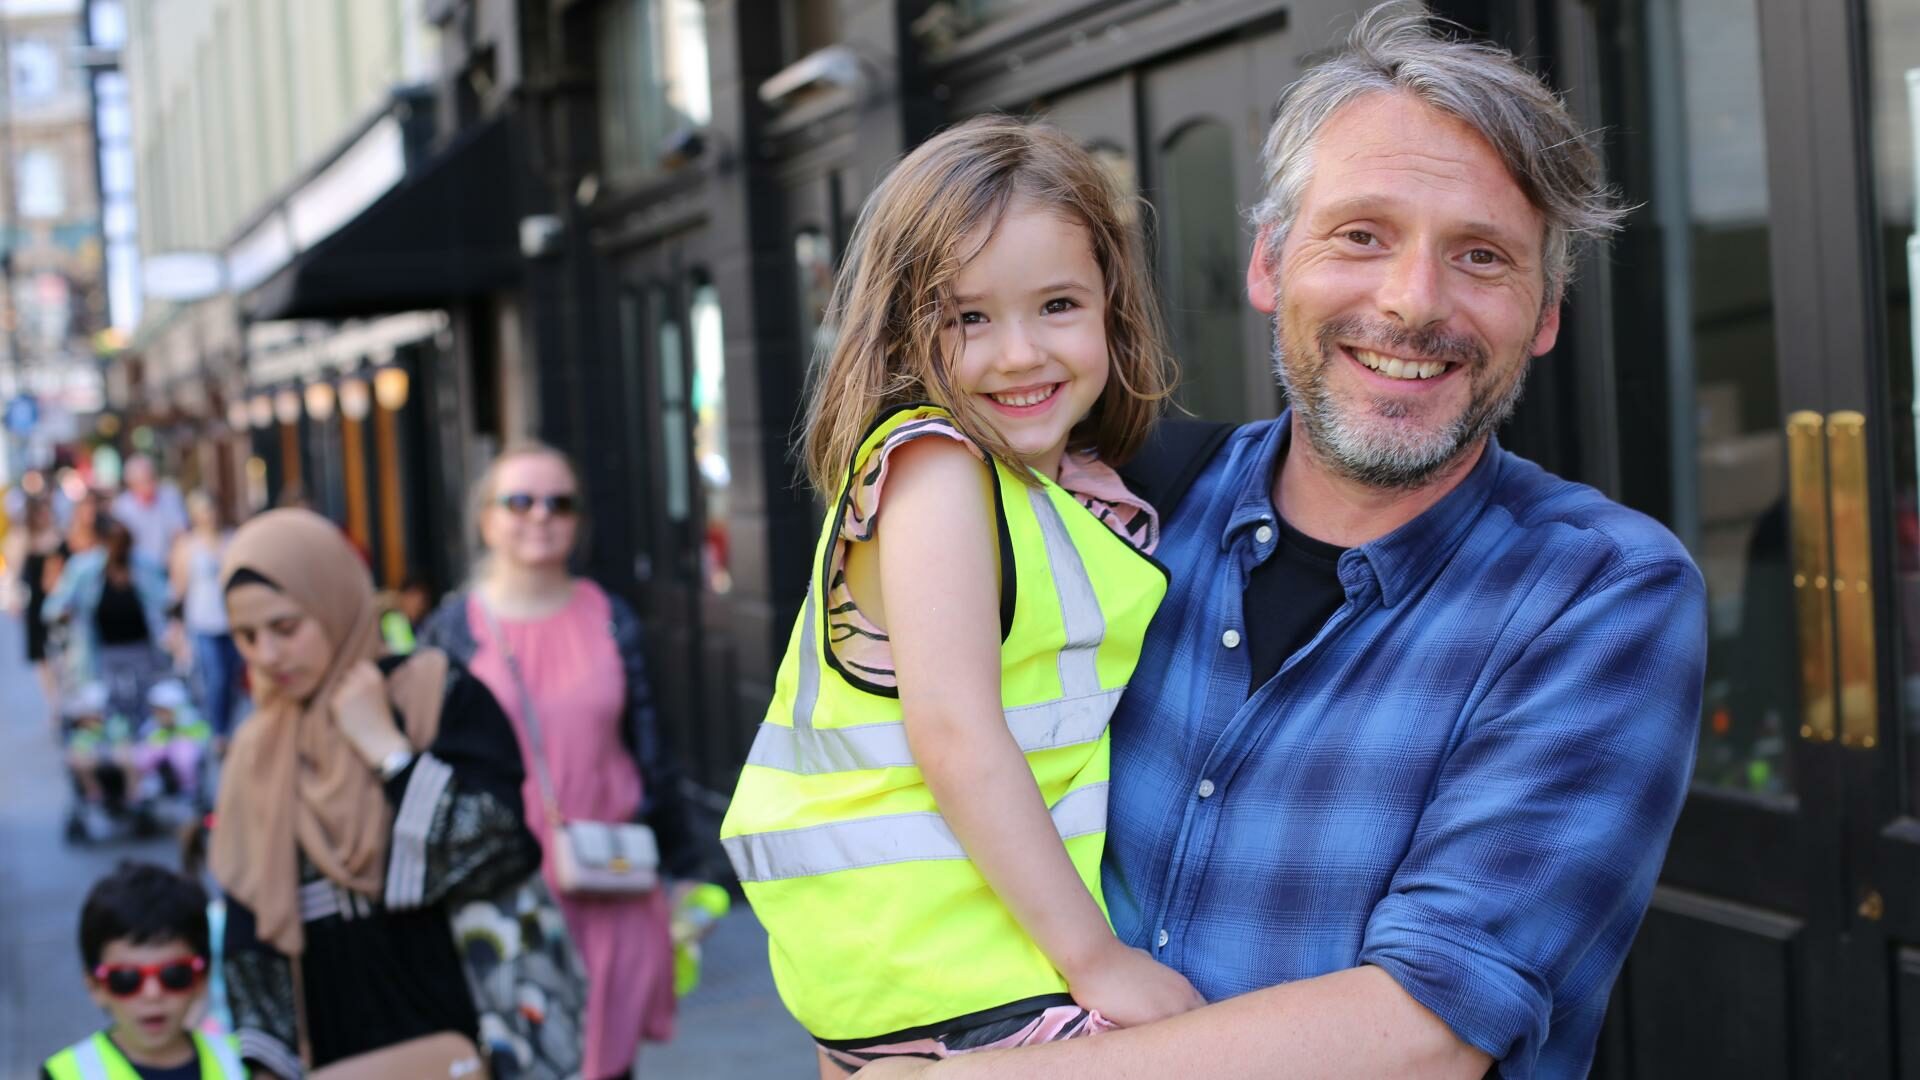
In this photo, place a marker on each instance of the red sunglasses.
(126, 980)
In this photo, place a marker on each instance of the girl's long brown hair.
(932, 214)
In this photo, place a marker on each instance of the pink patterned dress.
(578, 685)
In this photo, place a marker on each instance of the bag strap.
(301, 1035)
(528, 714)
(1175, 453)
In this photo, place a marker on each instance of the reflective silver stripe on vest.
(893, 838)
(223, 1053)
(808, 692)
(86, 1055)
(1077, 716)
(1046, 726)
(1079, 606)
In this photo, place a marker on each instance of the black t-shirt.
(1288, 599)
(189, 1071)
(119, 618)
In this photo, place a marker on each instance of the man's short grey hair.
(1394, 48)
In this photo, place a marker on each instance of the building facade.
(53, 271)
(614, 224)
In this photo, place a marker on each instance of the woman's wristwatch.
(395, 763)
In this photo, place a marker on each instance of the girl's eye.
(972, 318)
(284, 627)
(1057, 305)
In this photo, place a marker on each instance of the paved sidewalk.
(733, 1027)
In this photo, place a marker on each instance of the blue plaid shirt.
(1467, 778)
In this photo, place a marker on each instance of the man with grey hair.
(1395, 776)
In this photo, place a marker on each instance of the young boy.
(143, 938)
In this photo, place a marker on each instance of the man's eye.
(1359, 236)
(1483, 257)
(1058, 305)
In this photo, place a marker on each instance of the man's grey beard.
(1391, 456)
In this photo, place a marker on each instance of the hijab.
(290, 777)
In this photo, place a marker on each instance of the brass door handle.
(1812, 602)
(1853, 578)
(1829, 506)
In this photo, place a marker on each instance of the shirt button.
(1206, 789)
(1231, 639)
(1161, 941)
(1263, 534)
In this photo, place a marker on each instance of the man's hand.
(1131, 988)
(361, 713)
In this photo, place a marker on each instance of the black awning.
(444, 232)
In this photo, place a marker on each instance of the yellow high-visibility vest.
(878, 924)
(96, 1058)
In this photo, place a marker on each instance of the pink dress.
(579, 687)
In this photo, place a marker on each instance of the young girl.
(920, 821)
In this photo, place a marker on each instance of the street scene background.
(731, 1028)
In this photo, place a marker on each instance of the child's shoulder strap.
(1171, 459)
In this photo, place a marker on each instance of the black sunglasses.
(126, 980)
(521, 503)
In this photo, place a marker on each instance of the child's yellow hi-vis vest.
(879, 925)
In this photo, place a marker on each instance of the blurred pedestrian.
(402, 610)
(536, 634)
(35, 555)
(113, 601)
(362, 802)
(195, 579)
(151, 509)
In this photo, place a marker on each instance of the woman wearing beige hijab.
(363, 800)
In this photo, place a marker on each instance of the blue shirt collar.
(1400, 561)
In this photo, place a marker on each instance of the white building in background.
(56, 299)
(106, 34)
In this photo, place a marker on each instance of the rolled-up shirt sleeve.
(1535, 860)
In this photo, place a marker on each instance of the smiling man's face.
(1408, 295)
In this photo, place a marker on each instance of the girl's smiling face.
(1029, 340)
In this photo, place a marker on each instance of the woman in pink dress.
(579, 651)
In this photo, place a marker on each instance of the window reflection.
(710, 434)
(974, 13)
(1204, 272)
(653, 79)
(813, 274)
(1695, 301)
(669, 345)
(1126, 181)
(1895, 87)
